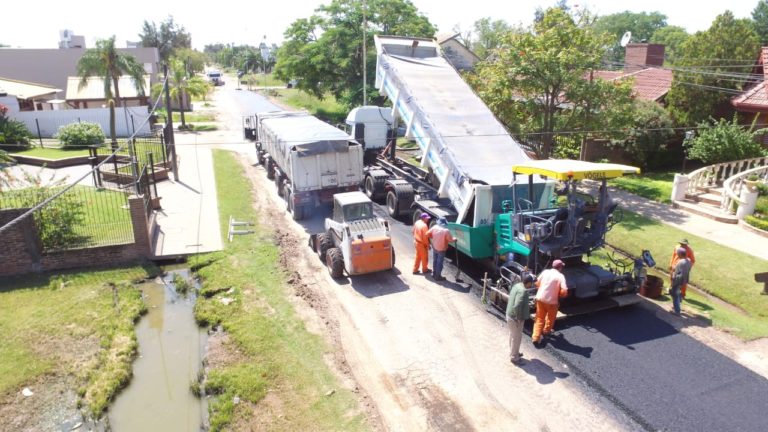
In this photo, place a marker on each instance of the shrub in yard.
(757, 222)
(14, 134)
(724, 141)
(80, 135)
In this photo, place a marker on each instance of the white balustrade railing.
(716, 175)
(732, 186)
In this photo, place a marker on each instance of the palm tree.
(182, 86)
(107, 63)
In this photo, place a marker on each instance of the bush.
(14, 134)
(724, 141)
(757, 222)
(80, 135)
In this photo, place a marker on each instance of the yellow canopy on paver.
(564, 169)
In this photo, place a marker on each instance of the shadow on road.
(559, 342)
(377, 284)
(543, 372)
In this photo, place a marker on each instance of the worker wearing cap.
(421, 242)
(679, 278)
(551, 286)
(673, 261)
(441, 237)
(517, 313)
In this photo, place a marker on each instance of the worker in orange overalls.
(551, 286)
(421, 242)
(673, 261)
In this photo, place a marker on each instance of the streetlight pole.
(688, 136)
(264, 60)
(365, 53)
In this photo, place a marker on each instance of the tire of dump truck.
(335, 262)
(280, 184)
(270, 164)
(324, 243)
(374, 187)
(393, 207)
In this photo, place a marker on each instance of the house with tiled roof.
(643, 63)
(754, 100)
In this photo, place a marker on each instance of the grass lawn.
(107, 221)
(654, 186)
(192, 117)
(277, 354)
(52, 153)
(52, 326)
(327, 109)
(721, 271)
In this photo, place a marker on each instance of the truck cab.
(215, 77)
(371, 126)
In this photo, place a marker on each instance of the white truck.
(355, 241)
(215, 77)
(308, 159)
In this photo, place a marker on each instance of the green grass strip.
(279, 354)
(724, 272)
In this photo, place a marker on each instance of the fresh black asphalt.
(663, 379)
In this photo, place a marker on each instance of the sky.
(30, 24)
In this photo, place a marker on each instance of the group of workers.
(550, 285)
(438, 237)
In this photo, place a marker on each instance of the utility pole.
(169, 125)
(365, 52)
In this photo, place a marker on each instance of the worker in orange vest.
(421, 242)
(551, 286)
(673, 261)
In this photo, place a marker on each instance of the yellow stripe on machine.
(563, 169)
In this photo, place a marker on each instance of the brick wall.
(21, 251)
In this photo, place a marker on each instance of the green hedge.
(757, 222)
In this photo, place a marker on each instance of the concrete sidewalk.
(733, 236)
(189, 220)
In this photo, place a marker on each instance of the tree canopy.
(672, 37)
(325, 51)
(760, 19)
(539, 81)
(487, 35)
(712, 67)
(107, 63)
(167, 39)
(642, 25)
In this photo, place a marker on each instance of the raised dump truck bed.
(461, 141)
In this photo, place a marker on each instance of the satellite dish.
(626, 38)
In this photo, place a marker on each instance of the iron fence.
(83, 216)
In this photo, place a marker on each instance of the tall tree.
(107, 63)
(672, 37)
(325, 51)
(181, 87)
(642, 25)
(712, 67)
(760, 19)
(487, 35)
(538, 82)
(167, 39)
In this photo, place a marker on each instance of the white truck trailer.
(308, 159)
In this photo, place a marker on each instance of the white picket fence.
(127, 120)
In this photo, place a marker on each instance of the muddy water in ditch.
(171, 347)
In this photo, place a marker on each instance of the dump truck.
(355, 240)
(308, 159)
(465, 174)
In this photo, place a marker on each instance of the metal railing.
(83, 216)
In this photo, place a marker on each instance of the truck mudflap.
(369, 255)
